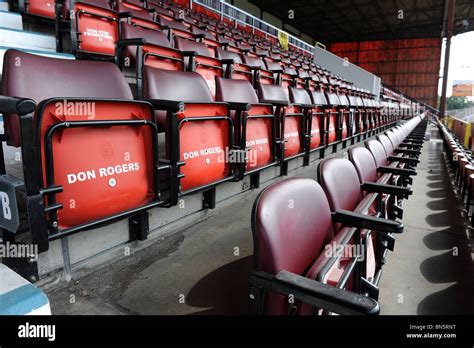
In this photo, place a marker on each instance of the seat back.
(291, 224)
(34, 81)
(387, 144)
(364, 164)
(378, 151)
(202, 143)
(97, 26)
(157, 51)
(204, 63)
(340, 182)
(257, 133)
(89, 162)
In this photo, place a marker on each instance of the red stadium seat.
(137, 15)
(255, 125)
(200, 58)
(91, 31)
(90, 151)
(291, 122)
(199, 131)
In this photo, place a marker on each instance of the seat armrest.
(396, 171)
(227, 61)
(131, 42)
(239, 106)
(388, 189)
(408, 151)
(19, 106)
(353, 219)
(403, 159)
(125, 14)
(274, 102)
(190, 53)
(316, 294)
(167, 105)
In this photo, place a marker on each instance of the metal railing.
(239, 16)
(466, 114)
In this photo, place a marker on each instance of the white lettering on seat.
(103, 172)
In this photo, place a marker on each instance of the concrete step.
(10, 20)
(3, 5)
(27, 39)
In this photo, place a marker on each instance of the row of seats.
(197, 113)
(319, 246)
(460, 161)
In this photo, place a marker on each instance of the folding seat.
(291, 119)
(392, 148)
(140, 46)
(43, 10)
(294, 253)
(340, 182)
(198, 131)
(175, 28)
(260, 72)
(317, 124)
(137, 15)
(89, 151)
(255, 126)
(206, 36)
(200, 58)
(332, 114)
(383, 159)
(367, 171)
(164, 12)
(233, 65)
(91, 31)
(345, 116)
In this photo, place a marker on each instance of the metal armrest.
(19, 106)
(353, 219)
(408, 151)
(403, 159)
(131, 42)
(167, 105)
(316, 294)
(388, 189)
(239, 106)
(396, 171)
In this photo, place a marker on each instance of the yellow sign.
(283, 39)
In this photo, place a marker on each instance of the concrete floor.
(204, 269)
(431, 269)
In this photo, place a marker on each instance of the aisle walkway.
(431, 270)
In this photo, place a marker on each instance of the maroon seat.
(175, 28)
(340, 181)
(137, 15)
(151, 47)
(261, 74)
(200, 58)
(291, 120)
(234, 67)
(198, 130)
(254, 123)
(97, 183)
(332, 113)
(292, 229)
(368, 171)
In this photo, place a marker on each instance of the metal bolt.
(252, 296)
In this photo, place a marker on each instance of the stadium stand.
(168, 102)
